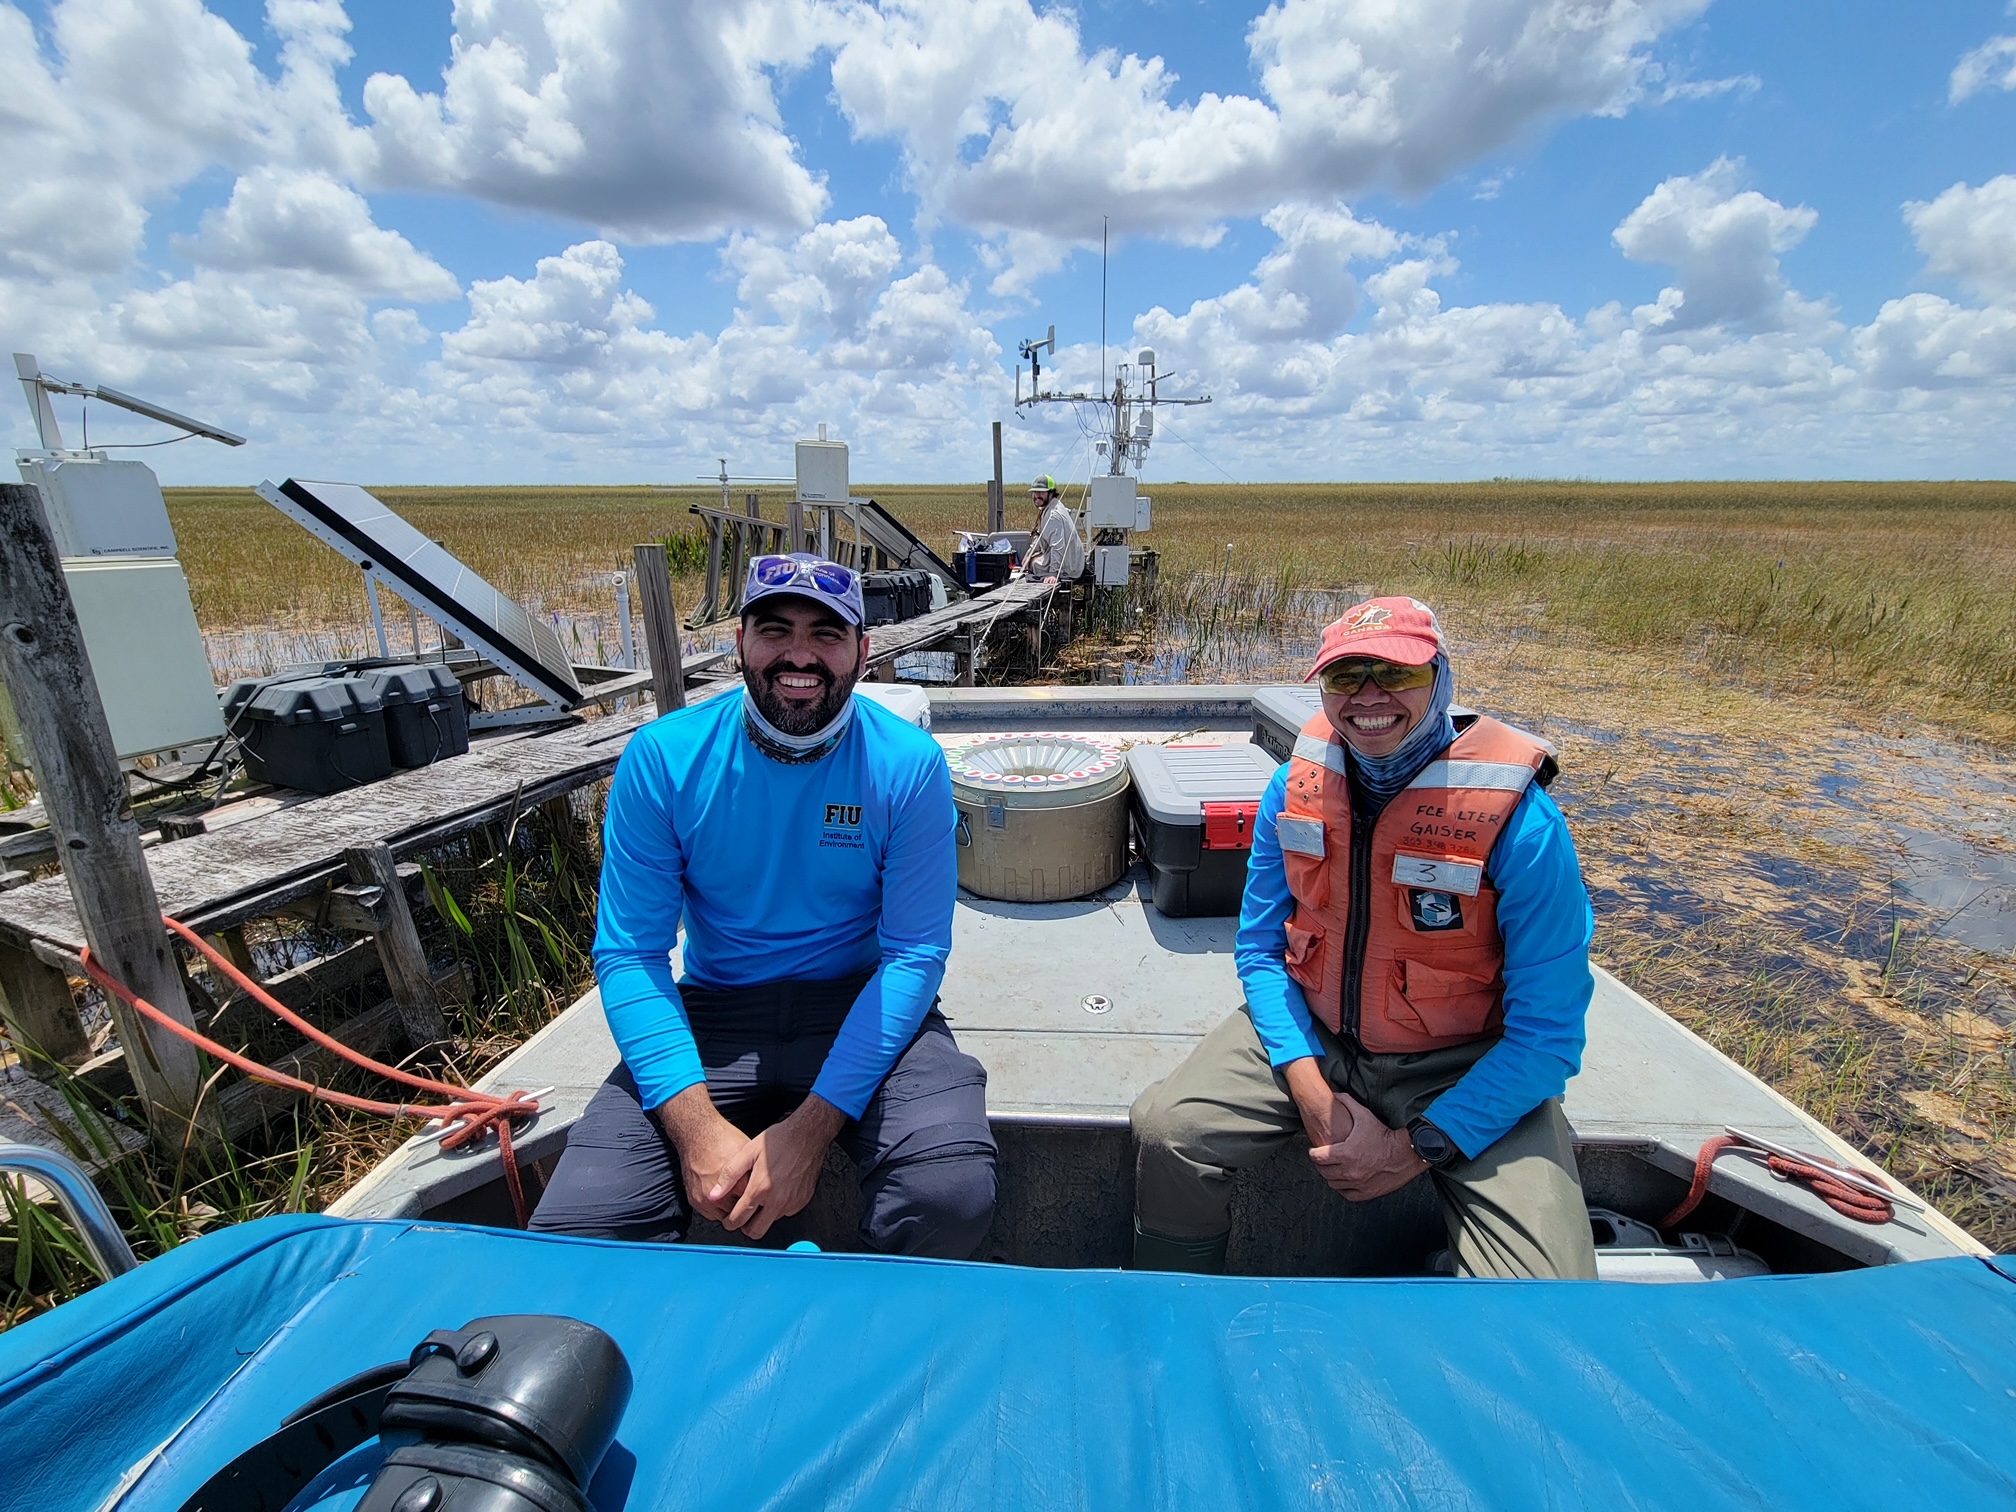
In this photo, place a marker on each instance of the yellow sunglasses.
(1349, 676)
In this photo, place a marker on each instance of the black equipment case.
(318, 734)
(426, 716)
(892, 597)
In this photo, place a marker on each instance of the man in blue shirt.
(805, 837)
(1414, 948)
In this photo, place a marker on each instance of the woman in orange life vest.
(1414, 949)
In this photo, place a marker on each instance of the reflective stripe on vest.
(1431, 967)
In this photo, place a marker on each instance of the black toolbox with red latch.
(1194, 808)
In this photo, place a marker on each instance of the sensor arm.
(39, 386)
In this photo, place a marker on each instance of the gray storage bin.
(1280, 713)
(1194, 811)
(318, 734)
(426, 716)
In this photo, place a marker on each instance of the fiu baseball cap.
(807, 576)
(1402, 630)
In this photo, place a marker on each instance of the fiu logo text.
(841, 829)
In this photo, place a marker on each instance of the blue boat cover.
(835, 1381)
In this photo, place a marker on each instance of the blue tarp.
(832, 1381)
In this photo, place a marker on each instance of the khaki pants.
(1515, 1210)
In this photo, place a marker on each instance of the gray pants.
(922, 1148)
(1515, 1210)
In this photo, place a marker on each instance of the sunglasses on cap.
(1349, 676)
(827, 577)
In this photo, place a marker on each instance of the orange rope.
(476, 1112)
(1823, 1179)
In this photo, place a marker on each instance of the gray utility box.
(99, 507)
(426, 716)
(1280, 713)
(317, 734)
(1195, 806)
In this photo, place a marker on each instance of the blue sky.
(1452, 238)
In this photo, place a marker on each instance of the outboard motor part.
(548, 1388)
(506, 1414)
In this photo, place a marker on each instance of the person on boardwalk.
(805, 836)
(1055, 552)
(1414, 948)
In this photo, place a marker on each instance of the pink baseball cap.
(1402, 630)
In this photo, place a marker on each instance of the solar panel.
(366, 530)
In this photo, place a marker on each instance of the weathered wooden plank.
(247, 1104)
(36, 1114)
(661, 626)
(48, 673)
(399, 947)
(213, 881)
(40, 1013)
(887, 642)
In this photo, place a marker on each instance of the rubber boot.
(1160, 1252)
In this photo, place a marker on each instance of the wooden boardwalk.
(214, 881)
(974, 618)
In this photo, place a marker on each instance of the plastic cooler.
(1194, 810)
(318, 734)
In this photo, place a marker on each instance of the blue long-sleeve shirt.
(1546, 922)
(813, 871)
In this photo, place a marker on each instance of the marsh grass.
(1892, 596)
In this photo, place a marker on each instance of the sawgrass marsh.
(1897, 598)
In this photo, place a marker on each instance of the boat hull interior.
(1075, 1007)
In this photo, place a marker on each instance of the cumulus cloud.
(655, 121)
(1992, 65)
(1009, 126)
(1756, 377)
(307, 222)
(1345, 350)
(1724, 241)
(1970, 234)
(827, 327)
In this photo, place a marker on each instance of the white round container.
(1042, 817)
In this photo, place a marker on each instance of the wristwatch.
(1431, 1144)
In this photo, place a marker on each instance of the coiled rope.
(1823, 1179)
(474, 1113)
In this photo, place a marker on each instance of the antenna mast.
(1127, 410)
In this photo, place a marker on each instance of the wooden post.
(661, 626)
(84, 792)
(794, 518)
(712, 608)
(997, 501)
(398, 939)
(40, 1013)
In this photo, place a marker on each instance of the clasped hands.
(1356, 1155)
(746, 1183)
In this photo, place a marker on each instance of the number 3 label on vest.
(1461, 877)
(1303, 836)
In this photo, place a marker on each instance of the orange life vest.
(1421, 964)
